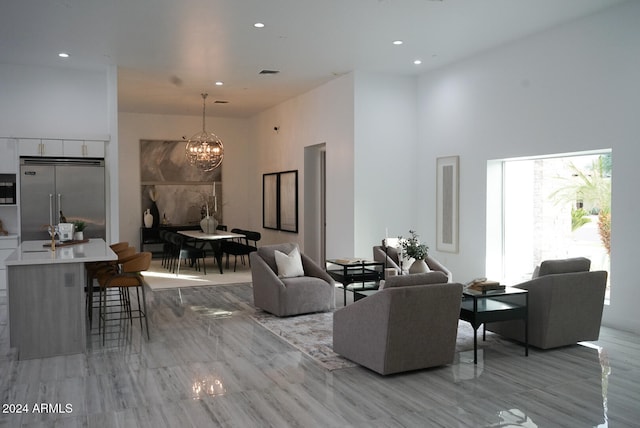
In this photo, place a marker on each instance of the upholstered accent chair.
(566, 301)
(388, 254)
(410, 324)
(284, 296)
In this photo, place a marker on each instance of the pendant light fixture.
(204, 150)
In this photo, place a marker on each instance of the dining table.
(214, 240)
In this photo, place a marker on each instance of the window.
(547, 208)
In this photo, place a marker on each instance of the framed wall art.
(280, 201)
(270, 201)
(447, 200)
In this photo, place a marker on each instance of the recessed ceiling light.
(219, 83)
(258, 25)
(397, 42)
(63, 55)
(417, 61)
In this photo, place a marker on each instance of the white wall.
(387, 188)
(48, 102)
(43, 102)
(569, 89)
(323, 115)
(236, 173)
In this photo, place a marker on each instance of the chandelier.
(204, 150)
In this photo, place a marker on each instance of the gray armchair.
(313, 292)
(565, 305)
(409, 325)
(390, 258)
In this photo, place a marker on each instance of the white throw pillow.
(289, 265)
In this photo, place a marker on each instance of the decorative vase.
(148, 219)
(209, 225)
(156, 215)
(78, 236)
(419, 266)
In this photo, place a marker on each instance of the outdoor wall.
(234, 134)
(569, 89)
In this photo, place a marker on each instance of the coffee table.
(367, 273)
(481, 307)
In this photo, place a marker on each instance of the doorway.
(315, 202)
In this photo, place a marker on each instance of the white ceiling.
(169, 51)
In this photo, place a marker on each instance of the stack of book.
(486, 286)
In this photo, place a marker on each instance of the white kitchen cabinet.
(61, 148)
(8, 244)
(33, 147)
(83, 149)
(9, 158)
(28, 147)
(8, 211)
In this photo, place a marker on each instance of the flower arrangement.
(412, 246)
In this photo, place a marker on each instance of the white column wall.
(387, 188)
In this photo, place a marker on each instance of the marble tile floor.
(207, 364)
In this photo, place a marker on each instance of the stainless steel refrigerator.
(75, 187)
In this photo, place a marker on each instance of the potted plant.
(413, 248)
(79, 227)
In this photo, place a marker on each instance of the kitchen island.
(46, 296)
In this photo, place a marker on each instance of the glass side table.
(365, 273)
(481, 307)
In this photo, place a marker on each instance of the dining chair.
(183, 250)
(241, 246)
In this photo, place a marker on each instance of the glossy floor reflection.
(209, 364)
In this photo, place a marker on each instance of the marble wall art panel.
(182, 204)
(180, 190)
(164, 161)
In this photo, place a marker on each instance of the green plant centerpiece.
(412, 246)
(79, 225)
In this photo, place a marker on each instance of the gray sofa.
(390, 258)
(313, 292)
(565, 305)
(409, 325)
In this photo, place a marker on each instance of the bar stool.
(129, 275)
(93, 270)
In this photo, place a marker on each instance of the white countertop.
(35, 253)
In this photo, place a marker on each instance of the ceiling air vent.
(221, 102)
(269, 72)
